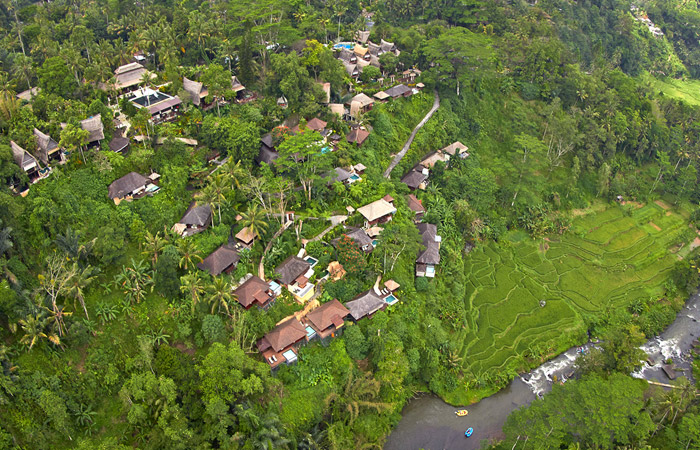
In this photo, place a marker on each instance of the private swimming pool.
(354, 177)
(347, 45)
(390, 299)
(311, 260)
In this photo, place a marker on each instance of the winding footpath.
(402, 153)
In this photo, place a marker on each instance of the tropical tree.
(270, 434)
(5, 239)
(358, 393)
(189, 255)
(220, 295)
(33, 327)
(134, 280)
(193, 285)
(77, 285)
(254, 219)
(24, 66)
(152, 247)
(235, 173)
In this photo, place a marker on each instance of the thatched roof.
(455, 148)
(127, 184)
(118, 143)
(22, 157)
(414, 204)
(128, 75)
(398, 91)
(45, 146)
(245, 235)
(291, 269)
(197, 215)
(94, 126)
(236, 85)
(414, 178)
(358, 135)
(316, 124)
(376, 210)
(219, 260)
(362, 36)
(195, 89)
(431, 254)
(365, 304)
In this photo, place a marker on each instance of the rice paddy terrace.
(608, 259)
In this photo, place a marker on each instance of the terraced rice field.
(607, 260)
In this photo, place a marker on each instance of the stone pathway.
(402, 153)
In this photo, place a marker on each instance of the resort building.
(254, 291)
(222, 260)
(428, 258)
(161, 106)
(282, 343)
(47, 149)
(132, 185)
(294, 273)
(365, 305)
(328, 319)
(196, 219)
(378, 212)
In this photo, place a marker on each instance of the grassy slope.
(686, 90)
(609, 259)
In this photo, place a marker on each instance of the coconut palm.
(134, 280)
(152, 247)
(57, 316)
(236, 174)
(220, 295)
(24, 66)
(208, 196)
(192, 285)
(33, 327)
(271, 434)
(358, 393)
(189, 255)
(219, 186)
(77, 285)
(254, 219)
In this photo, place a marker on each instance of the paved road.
(402, 153)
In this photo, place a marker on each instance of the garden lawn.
(609, 259)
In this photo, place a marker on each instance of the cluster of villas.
(417, 177)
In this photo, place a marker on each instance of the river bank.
(431, 424)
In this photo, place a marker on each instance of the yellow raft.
(462, 412)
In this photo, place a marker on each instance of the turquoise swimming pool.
(346, 45)
(390, 299)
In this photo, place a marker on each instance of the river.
(431, 424)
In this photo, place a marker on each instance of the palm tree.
(220, 295)
(5, 239)
(23, 65)
(227, 52)
(134, 280)
(57, 315)
(77, 285)
(189, 254)
(270, 435)
(153, 245)
(74, 61)
(362, 392)
(236, 174)
(33, 327)
(192, 285)
(254, 219)
(219, 186)
(207, 196)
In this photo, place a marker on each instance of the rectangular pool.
(311, 260)
(310, 332)
(390, 299)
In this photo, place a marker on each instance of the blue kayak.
(469, 432)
